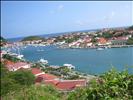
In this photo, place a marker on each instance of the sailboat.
(19, 55)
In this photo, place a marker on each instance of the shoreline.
(96, 47)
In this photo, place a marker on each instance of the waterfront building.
(11, 66)
(119, 41)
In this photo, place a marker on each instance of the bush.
(35, 93)
(23, 77)
(111, 85)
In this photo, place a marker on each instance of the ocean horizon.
(15, 39)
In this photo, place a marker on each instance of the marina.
(85, 60)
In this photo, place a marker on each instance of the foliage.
(23, 77)
(32, 38)
(107, 35)
(110, 86)
(130, 28)
(73, 77)
(70, 40)
(35, 93)
(2, 39)
(93, 40)
(11, 58)
(130, 41)
(13, 81)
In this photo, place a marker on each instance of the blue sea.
(89, 61)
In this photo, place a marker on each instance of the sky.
(25, 18)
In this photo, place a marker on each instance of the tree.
(23, 77)
(107, 35)
(130, 41)
(112, 85)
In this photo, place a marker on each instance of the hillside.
(130, 28)
(112, 85)
(2, 39)
(32, 38)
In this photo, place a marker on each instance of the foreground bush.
(13, 81)
(112, 85)
(34, 93)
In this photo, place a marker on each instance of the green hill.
(32, 38)
(130, 28)
(2, 39)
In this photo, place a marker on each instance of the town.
(104, 38)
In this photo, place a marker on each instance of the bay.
(89, 61)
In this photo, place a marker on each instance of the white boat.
(20, 56)
(43, 61)
(70, 66)
(100, 49)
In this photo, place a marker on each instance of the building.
(66, 85)
(11, 66)
(36, 71)
(119, 41)
(102, 41)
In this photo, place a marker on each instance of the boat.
(70, 66)
(43, 61)
(100, 49)
(20, 56)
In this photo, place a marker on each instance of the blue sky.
(24, 18)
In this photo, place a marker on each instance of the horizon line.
(94, 29)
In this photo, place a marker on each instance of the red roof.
(102, 40)
(47, 76)
(35, 71)
(8, 62)
(52, 82)
(11, 65)
(70, 84)
(121, 38)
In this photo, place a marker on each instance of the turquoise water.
(85, 60)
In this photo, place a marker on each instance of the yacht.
(70, 66)
(20, 56)
(43, 61)
(100, 49)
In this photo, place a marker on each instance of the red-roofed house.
(119, 41)
(102, 41)
(45, 77)
(11, 66)
(36, 71)
(68, 85)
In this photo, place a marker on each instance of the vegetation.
(35, 93)
(15, 81)
(11, 58)
(112, 85)
(32, 38)
(107, 35)
(2, 41)
(69, 40)
(130, 28)
(130, 41)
